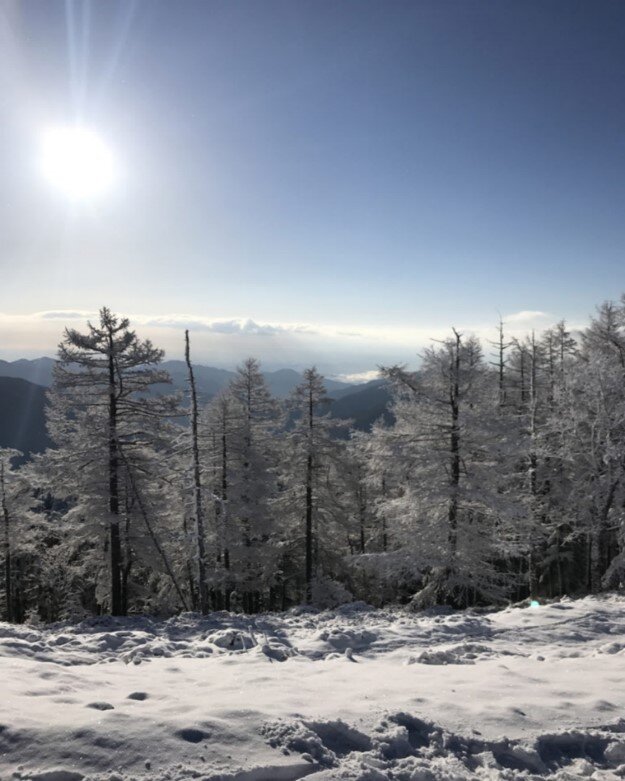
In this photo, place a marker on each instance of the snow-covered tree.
(220, 434)
(253, 483)
(306, 506)
(198, 492)
(16, 501)
(104, 424)
(447, 441)
(593, 446)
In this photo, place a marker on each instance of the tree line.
(500, 477)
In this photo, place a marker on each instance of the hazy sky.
(314, 180)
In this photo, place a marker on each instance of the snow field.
(354, 693)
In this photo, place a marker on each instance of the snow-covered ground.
(353, 693)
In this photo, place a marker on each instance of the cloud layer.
(352, 350)
(234, 326)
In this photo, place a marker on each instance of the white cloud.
(527, 316)
(358, 377)
(244, 326)
(66, 315)
(351, 350)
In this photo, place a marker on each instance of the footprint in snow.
(138, 696)
(192, 735)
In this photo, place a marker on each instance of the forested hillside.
(495, 474)
(22, 415)
(22, 397)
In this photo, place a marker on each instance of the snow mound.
(404, 748)
(353, 693)
(341, 638)
(465, 653)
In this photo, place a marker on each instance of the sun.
(77, 161)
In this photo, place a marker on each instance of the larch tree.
(309, 463)
(254, 482)
(559, 350)
(447, 440)
(501, 361)
(494, 481)
(220, 435)
(100, 416)
(523, 418)
(594, 443)
(16, 500)
(198, 492)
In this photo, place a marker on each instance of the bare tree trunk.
(309, 527)
(197, 484)
(559, 563)
(8, 582)
(128, 561)
(384, 530)
(224, 493)
(159, 548)
(597, 539)
(113, 469)
(362, 511)
(501, 364)
(189, 567)
(309, 500)
(221, 511)
(533, 472)
(454, 451)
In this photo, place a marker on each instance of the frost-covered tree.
(198, 491)
(528, 412)
(253, 484)
(593, 446)
(494, 481)
(309, 465)
(501, 361)
(220, 434)
(16, 500)
(382, 477)
(103, 421)
(449, 450)
(553, 479)
(593, 449)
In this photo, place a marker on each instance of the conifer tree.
(100, 415)
(446, 442)
(254, 481)
(221, 442)
(310, 461)
(198, 497)
(15, 502)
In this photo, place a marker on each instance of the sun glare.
(77, 161)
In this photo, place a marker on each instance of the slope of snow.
(354, 693)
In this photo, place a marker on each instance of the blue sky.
(352, 177)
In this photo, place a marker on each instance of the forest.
(499, 478)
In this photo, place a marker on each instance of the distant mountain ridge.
(22, 415)
(38, 370)
(364, 405)
(210, 380)
(23, 399)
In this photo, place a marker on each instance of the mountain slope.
(364, 406)
(22, 415)
(38, 370)
(22, 402)
(210, 380)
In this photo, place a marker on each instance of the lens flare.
(77, 162)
